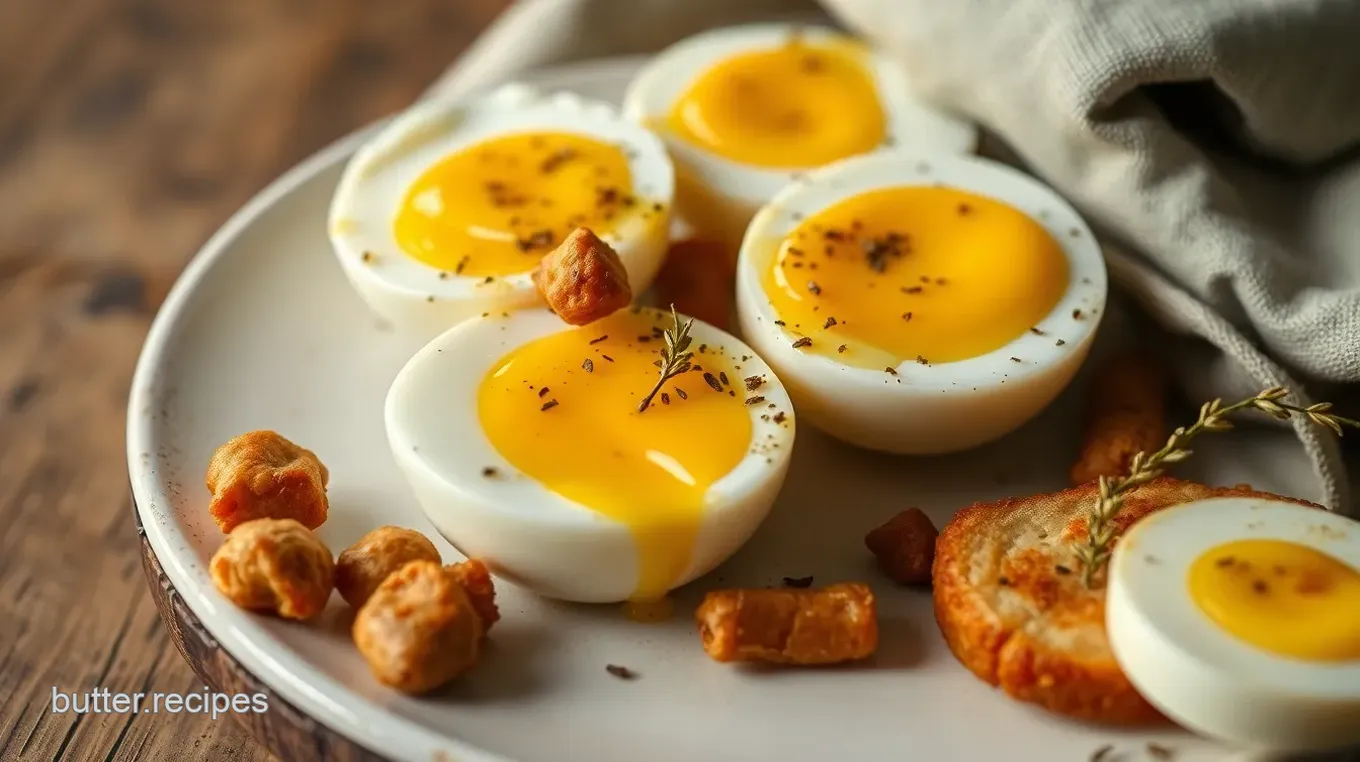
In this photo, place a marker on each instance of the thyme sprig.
(1213, 416)
(675, 357)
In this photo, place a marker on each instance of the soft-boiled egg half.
(523, 440)
(920, 305)
(1240, 619)
(445, 213)
(743, 109)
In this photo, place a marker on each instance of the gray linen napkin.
(1206, 140)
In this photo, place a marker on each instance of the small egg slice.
(743, 109)
(1240, 619)
(445, 213)
(523, 441)
(920, 305)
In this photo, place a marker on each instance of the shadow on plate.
(509, 668)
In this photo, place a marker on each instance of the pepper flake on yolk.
(495, 208)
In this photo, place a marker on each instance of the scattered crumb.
(904, 546)
(583, 279)
(1157, 751)
(620, 671)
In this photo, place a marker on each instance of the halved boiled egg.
(445, 213)
(920, 305)
(743, 109)
(1240, 619)
(524, 442)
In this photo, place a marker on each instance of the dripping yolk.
(495, 208)
(1282, 597)
(797, 105)
(914, 273)
(564, 411)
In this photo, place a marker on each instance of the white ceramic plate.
(262, 331)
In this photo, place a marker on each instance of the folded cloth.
(1206, 141)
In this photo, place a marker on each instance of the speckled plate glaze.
(262, 331)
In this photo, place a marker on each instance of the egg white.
(933, 408)
(1200, 675)
(417, 297)
(720, 195)
(527, 533)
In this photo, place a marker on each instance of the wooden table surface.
(129, 131)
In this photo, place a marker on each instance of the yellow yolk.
(925, 273)
(1280, 596)
(564, 410)
(798, 105)
(497, 207)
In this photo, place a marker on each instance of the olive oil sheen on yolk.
(798, 105)
(495, 208)
(915, 273)
(574, 427)
(1282, 597)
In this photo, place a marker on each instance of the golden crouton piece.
(790, 626)
(1010, 601)
(261, 475)
(365, 564)
(476, 580)
(276, 566)
(418, 630)
(583, 280)
(905, 546)
(1126, 416)
(698, 278)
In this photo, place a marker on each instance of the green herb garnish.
(1213, 416)
(675, 357)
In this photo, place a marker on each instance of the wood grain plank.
(130, 130)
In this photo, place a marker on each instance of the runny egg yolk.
(1282, 597)
(495, 208)
(914, 273)
(563, 410)
(797, 105)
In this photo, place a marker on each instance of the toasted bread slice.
(1010, 601)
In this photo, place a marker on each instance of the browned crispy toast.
(1010, 601)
